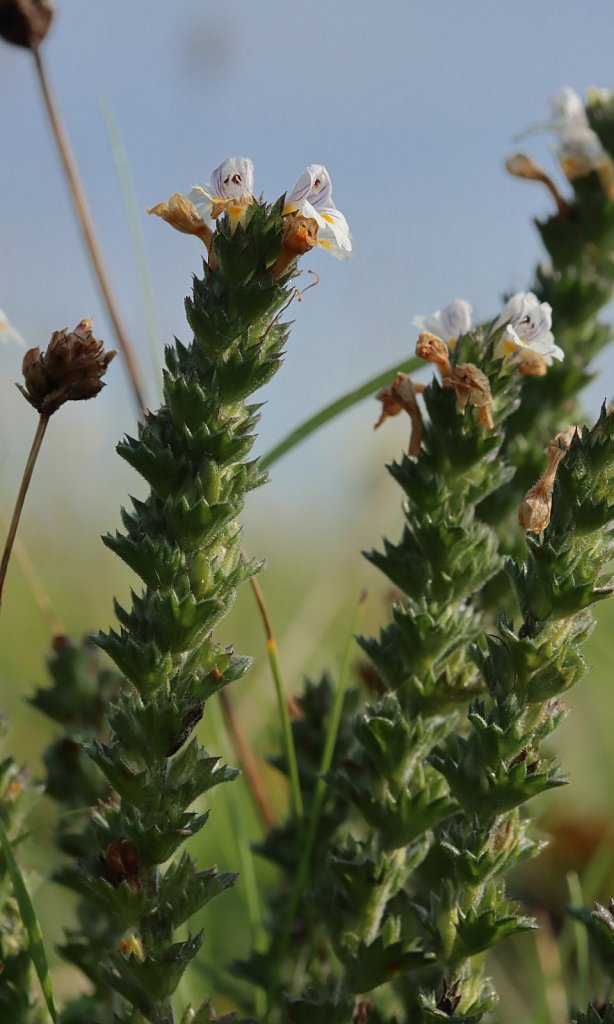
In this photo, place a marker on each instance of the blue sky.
(412, 107)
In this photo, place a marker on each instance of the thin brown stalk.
(21, 497)
(29, 573)
(87, 227)
(247, 760)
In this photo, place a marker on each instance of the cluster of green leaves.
(78, 700)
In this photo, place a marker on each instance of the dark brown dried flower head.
(70, 369)
(300, 235)
(434, 350)
(25, 22)
(472, 387)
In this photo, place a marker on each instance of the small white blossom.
(231, 188)
(579, 148)
(7, 332)
(312, 197)
(449, 323)
(567, 108)
(527, 326)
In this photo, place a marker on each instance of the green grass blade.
(133, 219)
(340, 405)
(30, 922)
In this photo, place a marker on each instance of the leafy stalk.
(184, 542)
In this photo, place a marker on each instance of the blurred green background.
(413, 108)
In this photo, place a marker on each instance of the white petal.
(202, 199)
(314, 186)
(334, 232)
(456, 319)
(234, 178)
(566, 106)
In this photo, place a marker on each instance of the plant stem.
(340, 405)
(87, 228)
(21, 497)
(576, 898)
(248, 762)
(300, 879)
(34, 581)
(282, 704)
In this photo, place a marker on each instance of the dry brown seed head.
(71, 369)
(25, 22)
(434, 350)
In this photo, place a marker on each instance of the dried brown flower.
(434, 350)
(530, 363)
(25, 22)
(182, 215)
(400, 396)
(472, 387)
(300, 235)
(536, 506)
(70, 369)
(521, 166)
(122, 863)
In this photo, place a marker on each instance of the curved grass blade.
(341, 404)
(30, 922)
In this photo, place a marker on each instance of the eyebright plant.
(184, 542)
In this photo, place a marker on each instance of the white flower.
(527, 326)
(7, 332)
(579, 147)
(312, 197)
(231, 188)
(449, 323)
(567, 108)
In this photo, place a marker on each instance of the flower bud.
(25, 22)
(70, 369)
(132, 946)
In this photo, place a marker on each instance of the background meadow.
(413, 108)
